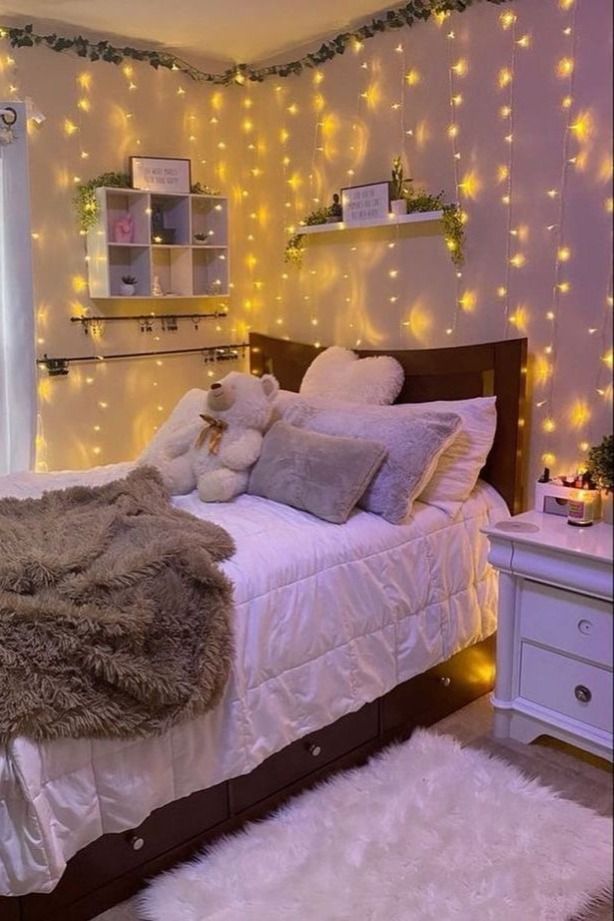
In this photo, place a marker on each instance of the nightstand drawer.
(565, 620)
(575, 689)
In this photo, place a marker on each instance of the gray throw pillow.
(322, 474)
(414, 446)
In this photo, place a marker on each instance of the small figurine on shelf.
(335, 211)
(124, 229)
(398, 190)
(156, 288)
(157, 224)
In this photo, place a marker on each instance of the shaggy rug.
(427, 831)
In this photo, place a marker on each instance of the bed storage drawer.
(9, 909)
(304, 756)
(427, 698)
(113, 855)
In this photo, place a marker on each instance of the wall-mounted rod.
(58, 367)
(150, 316)
(168, 321)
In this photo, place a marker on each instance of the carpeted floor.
(577, 776)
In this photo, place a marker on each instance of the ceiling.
(237, 31)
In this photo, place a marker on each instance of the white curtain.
(17, 355)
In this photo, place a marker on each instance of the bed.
(300, 702)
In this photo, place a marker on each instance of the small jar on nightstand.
(554, 636)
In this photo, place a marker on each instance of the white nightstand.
(554, 636)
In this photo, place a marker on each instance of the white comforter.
(327, 617)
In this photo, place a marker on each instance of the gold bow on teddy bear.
(213, 427)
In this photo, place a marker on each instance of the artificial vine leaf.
(405, 16)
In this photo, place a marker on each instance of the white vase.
(607, 506)
(127, 290)
(398, 206)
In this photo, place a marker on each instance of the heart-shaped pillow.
(340, 374)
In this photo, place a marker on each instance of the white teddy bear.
(214, 453)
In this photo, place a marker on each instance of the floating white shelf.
(418, 217)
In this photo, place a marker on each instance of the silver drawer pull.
(585, 627)
(582, 693)
(314, 749)
(136, 842)
(445, 681)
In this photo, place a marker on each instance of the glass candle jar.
(581, 509)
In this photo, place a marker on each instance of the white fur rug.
(427, 831)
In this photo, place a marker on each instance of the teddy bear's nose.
(215, 386)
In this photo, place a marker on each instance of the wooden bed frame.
(115, 866)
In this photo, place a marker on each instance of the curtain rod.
(58, 367)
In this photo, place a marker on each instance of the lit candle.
(581, 509)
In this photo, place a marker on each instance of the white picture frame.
(364, 204)
(161, 175)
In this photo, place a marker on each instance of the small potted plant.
(128, 285)
(398, 193)
(601, 470)
(200, 238)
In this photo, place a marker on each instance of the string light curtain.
(17, 357)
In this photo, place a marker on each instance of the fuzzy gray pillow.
(413, 446)
(322, 474)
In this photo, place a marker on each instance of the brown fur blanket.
(114, 618)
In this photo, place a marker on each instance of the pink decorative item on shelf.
(124, 229)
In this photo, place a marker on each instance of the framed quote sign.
(363, 204)
(161, 174)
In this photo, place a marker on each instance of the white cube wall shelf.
(185, 267)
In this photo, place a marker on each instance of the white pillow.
(339, 373)
(458, 468)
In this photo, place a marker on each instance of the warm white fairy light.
(565, 70)
(457, 69)
(505, 81)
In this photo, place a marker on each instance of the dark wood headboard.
(488, 369)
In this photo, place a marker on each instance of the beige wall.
(534, 182)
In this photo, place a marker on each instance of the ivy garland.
(407, 15)
(418, 200)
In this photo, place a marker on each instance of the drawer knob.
(585, 627)
(445, 681)
(582, 693)
(314, 749)
(136, 842)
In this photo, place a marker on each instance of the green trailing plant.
(454, 232)
(295, 245)
(85, 196)
(402, 17)
(419, 200)
(601, 463)
(197, 188)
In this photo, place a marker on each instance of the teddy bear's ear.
(270, 385)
